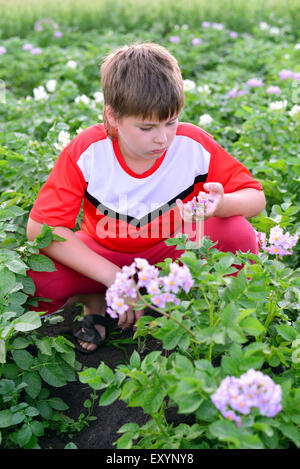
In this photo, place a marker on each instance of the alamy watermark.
(153, 221)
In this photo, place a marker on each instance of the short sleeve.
(225, 169)
(59, 201)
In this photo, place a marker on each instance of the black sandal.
(88, 332)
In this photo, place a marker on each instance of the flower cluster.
(252, 389)
(200, 202)
(205, 119)
(162, 289)
(278, 243)
(63, 140)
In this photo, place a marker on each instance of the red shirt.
(125, 211)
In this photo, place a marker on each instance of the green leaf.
(106, 373)
(58, 404)
(129, 427)
(291, 432)
(45, 237)
(287, 332)
(53, 375)
(34, 384)
(17, 266)
(37, 428)
(135, 360)
(109, 396)
(153, 400)
(93, 378)
(28, 322)
(23, 359)
(5, 418)
(252, 326)
(23, 435)
(125, 441)
(45, 409)
(241, 438)
(2, 351)
(7, 281)
(41, 263)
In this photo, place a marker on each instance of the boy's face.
(145, 140)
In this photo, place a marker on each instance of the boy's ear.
(111, 116)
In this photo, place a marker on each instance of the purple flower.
(237, 396)
(233, 34)
(206, 24)
(162, 289)
(196, 41)
(38, 27)
(57, 34)
(27, 46)
(284, 74)
(297, 76)
(254, 82)
(279, 243)
(273, 90)
(233, 93)
(174, 39)
(3, 50)
(158, 300)
(36, 51)
(200, 202)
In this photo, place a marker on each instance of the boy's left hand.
(216, 192)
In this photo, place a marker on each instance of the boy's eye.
(150, 128)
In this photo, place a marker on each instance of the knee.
(232, 234)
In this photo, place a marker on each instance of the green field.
(18, 16)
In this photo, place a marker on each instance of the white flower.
(218, 26)
(278, 105)
(63, 140)
(185, 26)
(100, 117)
(263, 26)
(274, 30)
(98, 97)
(286, 56)
(205, 119)
(40, 93)
(188, 85)
(80, 129)
(82, 99)
(297, 46)
(295, 110)
(205, 89)
(51, 85)
(71, 64)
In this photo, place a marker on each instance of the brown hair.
(142, 80)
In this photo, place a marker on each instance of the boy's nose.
(160, 138)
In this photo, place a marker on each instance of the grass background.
(17, 17)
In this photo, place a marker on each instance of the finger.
(138, 315)
(213, 187)
(126, 319)
(179, 204)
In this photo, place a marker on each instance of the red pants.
(232, 233)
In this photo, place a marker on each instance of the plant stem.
(273, 304)
(169, 316)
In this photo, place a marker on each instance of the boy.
(130, 172)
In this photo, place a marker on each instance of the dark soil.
(102, 432)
